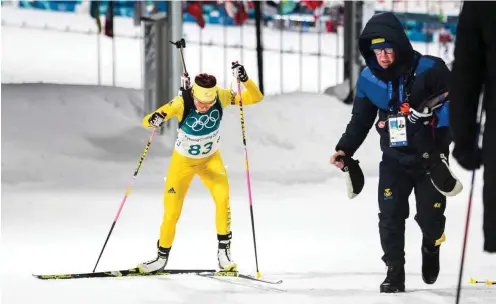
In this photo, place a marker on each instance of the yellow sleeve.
(251, 95)
(173, 108)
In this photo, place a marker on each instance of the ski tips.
(487, 282)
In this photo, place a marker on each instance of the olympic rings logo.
(204, 121)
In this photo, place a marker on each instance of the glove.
(239, 72)
(468, 158)
(156, 119)
(437, 165)
(417, 121)
(422, 118)
(354, 175)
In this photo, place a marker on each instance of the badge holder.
(397, 131)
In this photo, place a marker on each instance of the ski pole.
(467, 222)
(185, 81)
(126, 194)
(242, 118)
(469, 207)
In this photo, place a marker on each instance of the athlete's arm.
(173, 108)
(251, 95)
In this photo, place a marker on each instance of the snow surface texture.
(69, 153)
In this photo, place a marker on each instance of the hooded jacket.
(387, 26)
(429, 77)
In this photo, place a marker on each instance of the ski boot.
(224, 253)
(156, 265)
(430, 263)
(395, 279)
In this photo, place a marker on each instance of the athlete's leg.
(180, 174)
(214, 176)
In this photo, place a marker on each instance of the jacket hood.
(387, 26)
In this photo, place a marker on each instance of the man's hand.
(422, 118)
(335, 159)
(469, 159)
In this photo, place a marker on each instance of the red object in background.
(330, 27)
(445, 37)
(239, 15)
(195, 9)
(313, 4)
(109, 20)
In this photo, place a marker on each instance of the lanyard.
(390, 92)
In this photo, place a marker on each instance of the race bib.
(197, 146)
(397, 131)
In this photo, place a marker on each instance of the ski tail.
(435, 101)
(487, 282)
(237, 274)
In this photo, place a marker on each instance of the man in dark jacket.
(414, 140)
(475, 66)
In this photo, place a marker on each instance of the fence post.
(98, 58)
(300, 53)
(155, 61)
(258, 26)
(113, 61)
(281, 52)
(319, 54)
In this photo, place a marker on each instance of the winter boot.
(395, 279)
(224, 253)
(441, 175)
(157, 264)
(430, 263)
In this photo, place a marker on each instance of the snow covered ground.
(69, 152)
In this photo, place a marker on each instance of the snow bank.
(88, 135)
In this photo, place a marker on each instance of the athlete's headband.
(204, 94)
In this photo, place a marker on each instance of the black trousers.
(489, 192)
(395, 186)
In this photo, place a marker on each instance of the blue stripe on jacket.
(374, 89)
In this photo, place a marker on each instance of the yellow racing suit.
(196, 152)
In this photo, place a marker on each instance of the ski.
(435, 101)
(133, 272)
(487, 282)
(236, 274)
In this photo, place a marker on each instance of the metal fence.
(295, 58)
(301, 53)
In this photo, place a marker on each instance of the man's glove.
(417, 121)
(423, 118)
(239, 72)
(156, 119)
(354, 175)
